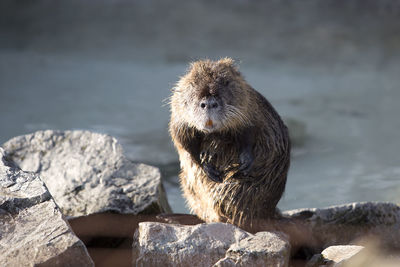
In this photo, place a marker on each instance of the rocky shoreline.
(73, 199)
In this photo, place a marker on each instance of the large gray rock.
(218, 244)
(88, 173)
(32, 229)
(341, 225)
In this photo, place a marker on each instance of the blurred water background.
(331, 68)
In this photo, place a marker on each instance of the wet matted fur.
(234, 154)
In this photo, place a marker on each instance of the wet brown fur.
(239, 199)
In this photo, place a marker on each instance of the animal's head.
(212, 96)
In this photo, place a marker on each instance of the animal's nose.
(209, 104)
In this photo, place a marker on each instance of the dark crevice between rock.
(8, 161)
(109, 236)
(302, 256)
(16, 204)
(109, 251)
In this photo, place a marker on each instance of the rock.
(354, 256)
(348, 223)
(87, 173)
(218, 244)
(176, 245)
(32, 229)
(339, 254)
(261, 249)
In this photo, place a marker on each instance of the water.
(112, 76)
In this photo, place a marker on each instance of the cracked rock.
(212, 244)
(33, 231)
(345, 224)
(87, 173)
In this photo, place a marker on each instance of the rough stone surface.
(87, 173)
(261, 249)
(32, 229)
(347, 223)
(219, 244)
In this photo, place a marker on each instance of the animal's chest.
(221, 151)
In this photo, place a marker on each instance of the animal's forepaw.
(246, 162)
(212, 173)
